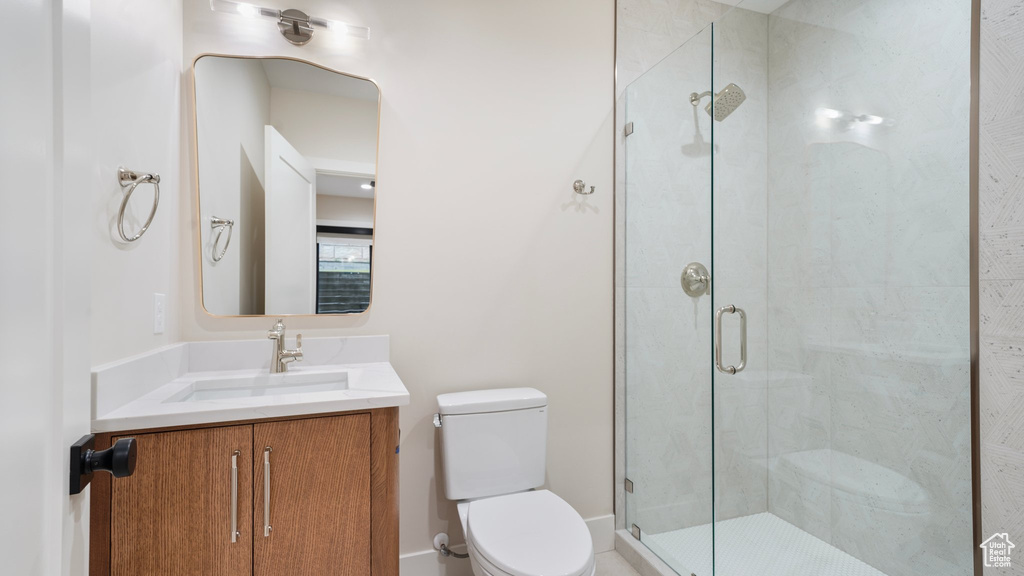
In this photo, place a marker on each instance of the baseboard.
(639, 556)
(602, 532)
(430, 563)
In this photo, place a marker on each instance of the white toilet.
(494, 445)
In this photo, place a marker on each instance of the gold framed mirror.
(286, 183)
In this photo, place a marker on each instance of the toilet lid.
(530, 534)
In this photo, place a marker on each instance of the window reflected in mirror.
(343, 269)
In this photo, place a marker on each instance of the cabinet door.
(173, 516)
(317, 520)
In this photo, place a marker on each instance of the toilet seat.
(529, 534)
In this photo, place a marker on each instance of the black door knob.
(119, 459)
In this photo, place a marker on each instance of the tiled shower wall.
(1001, 218)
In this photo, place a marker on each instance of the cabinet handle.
(266, 491)
(234, 496)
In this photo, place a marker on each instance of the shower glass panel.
(864, 326)
(668, 333)
(820, 171)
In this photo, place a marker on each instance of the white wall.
(483, 130)
(326, 126)
(136, 95)
(234, 101)
(344, 211)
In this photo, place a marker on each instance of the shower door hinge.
(629, 485)
(629, 128)
(636, 531)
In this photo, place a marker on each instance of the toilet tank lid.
(482, 401)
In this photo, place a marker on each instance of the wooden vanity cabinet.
(319, 508)
(333, 507)
(173, 515)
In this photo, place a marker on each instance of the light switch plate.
(159, 312)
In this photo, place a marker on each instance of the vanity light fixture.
(296, 26)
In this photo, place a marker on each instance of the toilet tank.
(493, 442)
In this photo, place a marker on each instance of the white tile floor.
(611, 564)
(761, 544)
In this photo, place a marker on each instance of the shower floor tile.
(757, 545)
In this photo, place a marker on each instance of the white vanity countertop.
(207, 382)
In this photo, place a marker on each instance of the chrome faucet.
(280, 356)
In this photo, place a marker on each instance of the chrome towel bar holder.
(219, 224)
(129, 181)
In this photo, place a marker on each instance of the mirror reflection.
(287, 162)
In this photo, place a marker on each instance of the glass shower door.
(668, 332)
(840, 210)
(740, 379)
(816, 165)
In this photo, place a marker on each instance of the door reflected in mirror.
(287, 171)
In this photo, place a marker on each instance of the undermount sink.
(230, 380)
(251, 386)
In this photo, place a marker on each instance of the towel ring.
(220, 224)
(129, 181)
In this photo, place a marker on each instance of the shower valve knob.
(696, 280)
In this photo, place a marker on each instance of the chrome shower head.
(723, 104)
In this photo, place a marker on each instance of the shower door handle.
(718, 339)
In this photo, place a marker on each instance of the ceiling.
(301, 76)
(763, 6)
(342, 185)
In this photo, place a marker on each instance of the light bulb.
(339, 28)
(248, 10)
(366, 187)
